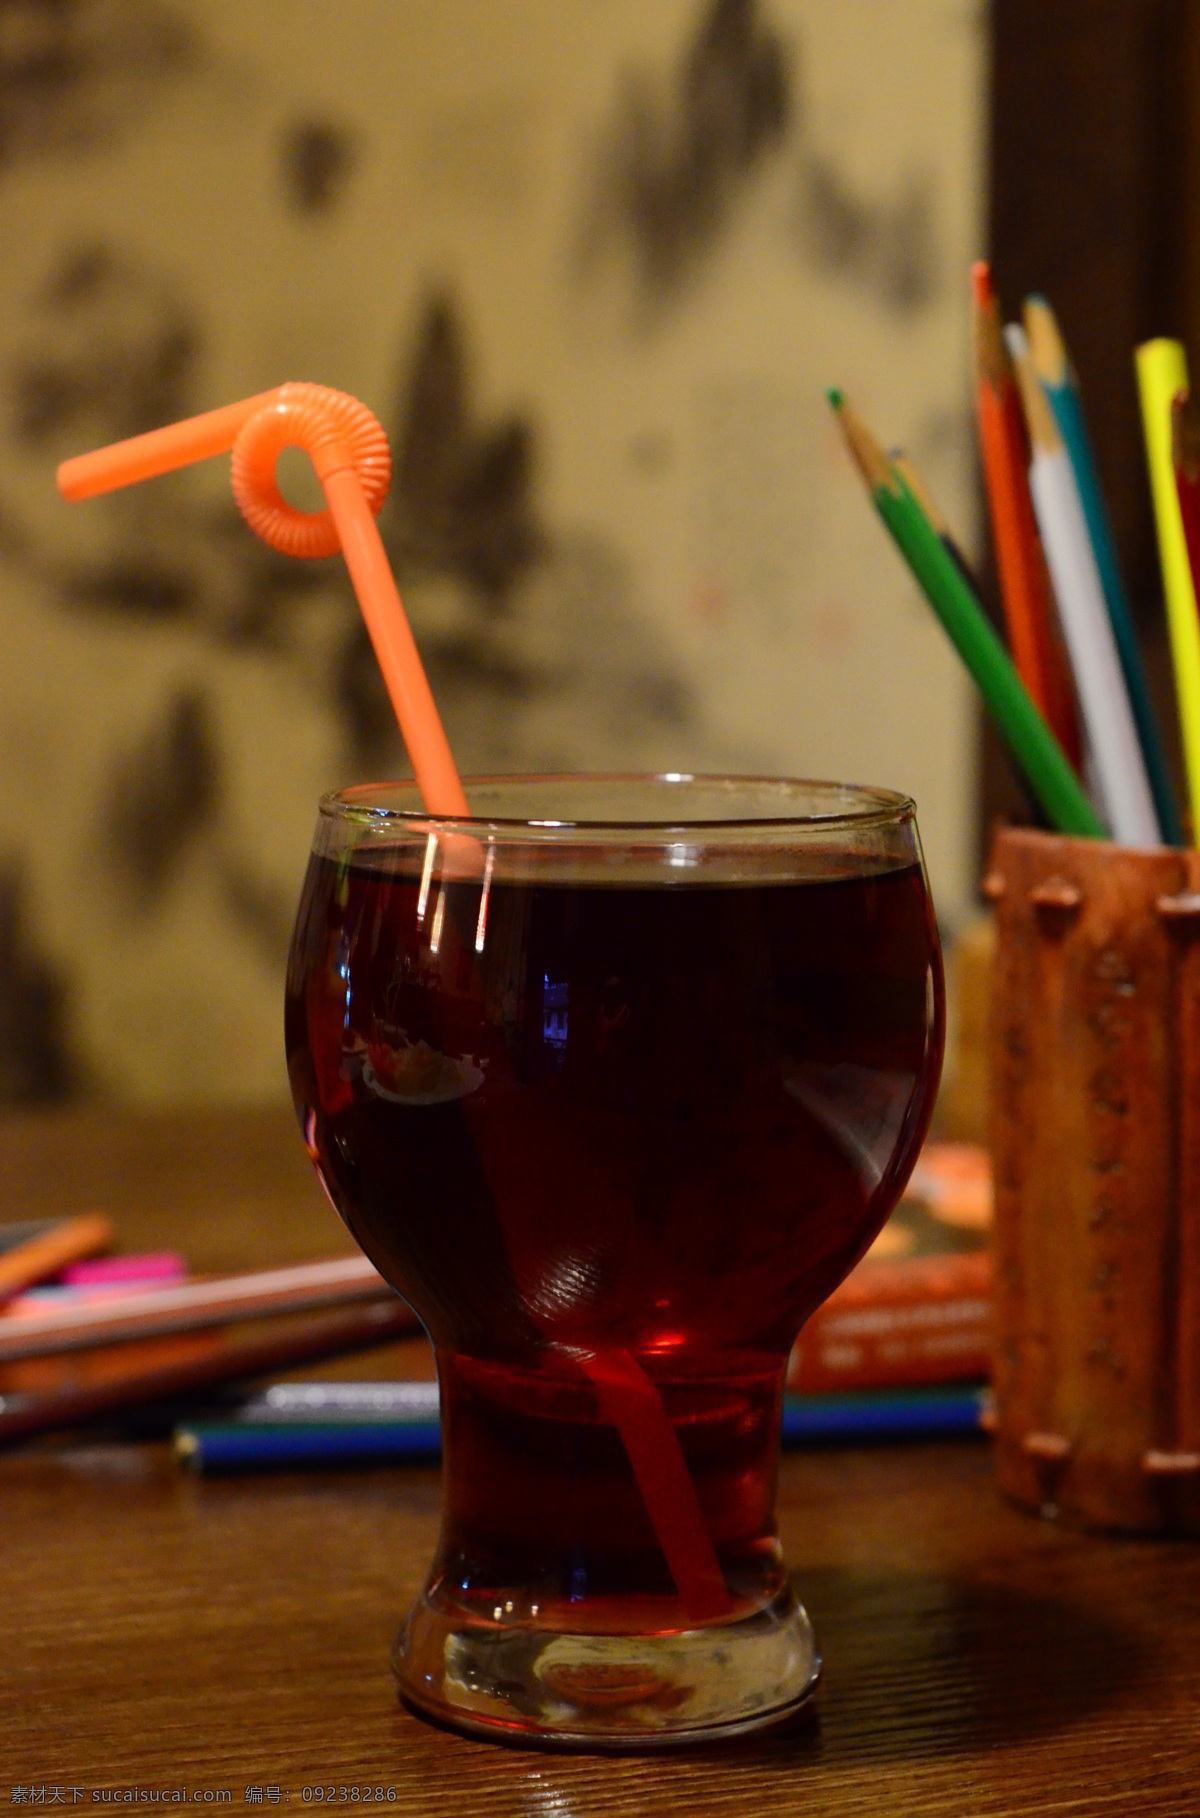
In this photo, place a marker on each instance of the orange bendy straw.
(348, 448)
(349, 451)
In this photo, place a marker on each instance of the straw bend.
(338, 433)
(349, 450)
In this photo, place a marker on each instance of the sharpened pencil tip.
(1046, 348)
(991, 362)
(869, 457)
(1039, 417)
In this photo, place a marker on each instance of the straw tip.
(65, 480)
(835, 396)
(981, 282)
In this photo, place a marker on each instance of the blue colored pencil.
(322, 1424)
(886, 1414)
(226, 1446)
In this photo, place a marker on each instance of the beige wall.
(224, 195)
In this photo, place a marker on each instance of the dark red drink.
(659, 1120)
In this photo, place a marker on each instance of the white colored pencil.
(1125, 798)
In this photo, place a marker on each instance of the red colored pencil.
(1029, 610)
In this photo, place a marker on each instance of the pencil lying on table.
(322, 1424)
(1030, 739)
(192, 1306)
(313, 1340)
(13, 1235)
(48, 1251)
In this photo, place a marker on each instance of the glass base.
(608, 1691)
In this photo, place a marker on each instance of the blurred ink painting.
(592, 276)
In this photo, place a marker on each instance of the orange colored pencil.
(68, 1242)
(1024, 583)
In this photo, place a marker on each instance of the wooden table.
(158, 1630)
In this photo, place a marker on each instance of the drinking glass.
(614, 1081)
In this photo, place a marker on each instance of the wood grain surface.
(160, 1630)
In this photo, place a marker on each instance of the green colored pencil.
(1053, 368)
(1026, 733)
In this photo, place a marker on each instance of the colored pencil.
(31, 1303)
(1185, 457)
(1100, 682)
(1029, 610)
(920, 493)
(389, 1423)
(1053, 368)
(1030, 739)
(22, 1231)
(291, 1346)
(886, 1414)
(192, 1306)
(215, 1446)
(133, 1268)
(1161, 374)
(338, 1403)
(44, 1254)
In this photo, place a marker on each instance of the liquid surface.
(655, 1123)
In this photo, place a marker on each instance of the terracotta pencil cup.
(1095, 1132)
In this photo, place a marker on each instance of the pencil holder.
(1095, 1132)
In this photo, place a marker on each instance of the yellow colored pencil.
(1161, 373)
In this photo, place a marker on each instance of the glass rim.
(873, 806)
